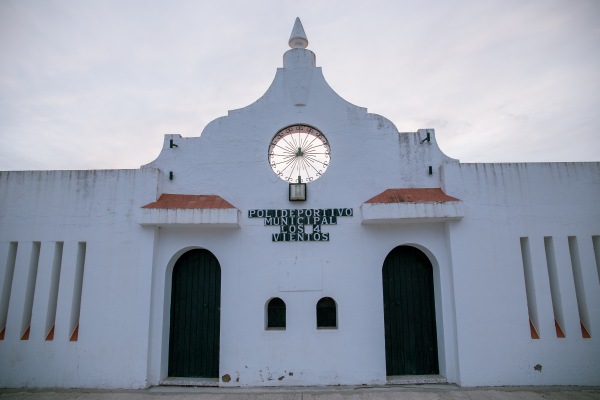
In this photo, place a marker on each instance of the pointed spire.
(298, 39)
(298, 56)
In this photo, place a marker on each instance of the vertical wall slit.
(78, 285)
(34, 261)
(559, 321)
(11, 260)
(529, 288)
(582, 307)
(53, 296)
(596, 243)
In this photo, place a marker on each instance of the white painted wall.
(505, 202)
(95, 207)
(251, 270)
(230, 159)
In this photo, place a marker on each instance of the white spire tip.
(298, 39)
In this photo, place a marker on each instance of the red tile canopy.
(412, 195)
(189, 201)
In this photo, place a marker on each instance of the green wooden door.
(195, 316)
(409, 313)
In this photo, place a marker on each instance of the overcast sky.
(89, 84)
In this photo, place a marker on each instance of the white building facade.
(301, 241)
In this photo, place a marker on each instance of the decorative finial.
(298, 39)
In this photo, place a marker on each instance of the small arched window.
(276, 314)
(326, 313)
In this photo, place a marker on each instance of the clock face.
(299, 153)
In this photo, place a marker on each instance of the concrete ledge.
(192, 382)
(415, 379)
(398, 213)
(217, 217)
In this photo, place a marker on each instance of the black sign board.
(293, 223)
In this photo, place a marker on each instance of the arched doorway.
(195, 316)
(409, 313)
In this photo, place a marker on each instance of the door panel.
(195, 316)
(409, 313)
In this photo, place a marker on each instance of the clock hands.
(299, 152)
